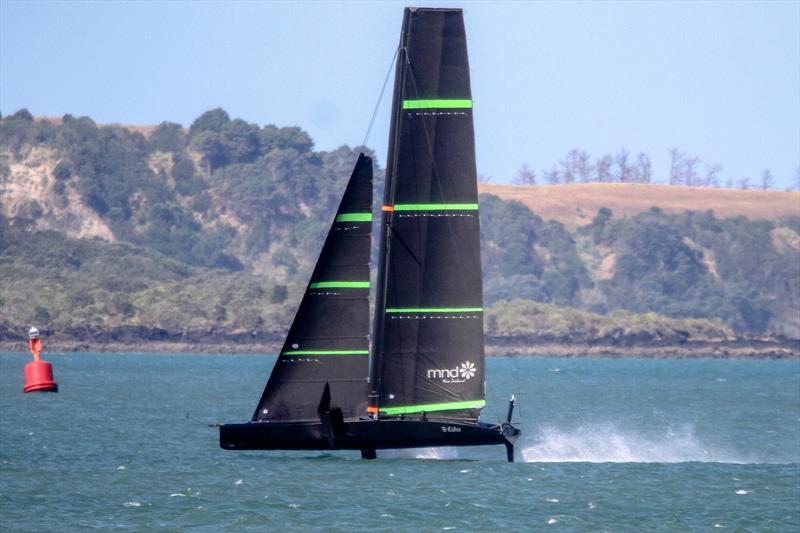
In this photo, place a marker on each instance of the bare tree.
(711, 179)
(644, 168)
(552, 177)
(624, 170)
(603, 169)
(576, 166)
(568, 170)
(584, 170)
(676, 167)
(767, 181)
(483, 178)
(525, 176)
(690, 176)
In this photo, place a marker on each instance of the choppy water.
(608, 445)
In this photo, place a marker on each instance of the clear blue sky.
(719, 80)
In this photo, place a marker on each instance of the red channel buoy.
(39, 377)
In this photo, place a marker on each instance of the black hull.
(364, 435)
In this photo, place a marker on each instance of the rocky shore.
(733, 349)
(143, 339)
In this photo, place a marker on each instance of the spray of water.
(443, 453)
(607, 444)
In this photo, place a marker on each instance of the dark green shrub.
(168, 137)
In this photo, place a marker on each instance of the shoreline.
(776, 349)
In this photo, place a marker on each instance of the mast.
(376, 366)
(428, 328)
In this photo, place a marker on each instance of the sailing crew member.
(35, 343)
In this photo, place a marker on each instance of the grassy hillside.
(576, 204)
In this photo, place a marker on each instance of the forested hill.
(214, 229)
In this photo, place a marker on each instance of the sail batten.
(339, 285)
(436, 310)
(354, 217)
(438, 104)
(433, 407)
(327, 352)
(436, 207)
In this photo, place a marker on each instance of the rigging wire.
(199, 423)
(516, 387)
(380, 97)
(375, 365)
(495, 408)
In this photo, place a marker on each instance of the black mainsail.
(328, 340)
(423, 382)
(428, 338)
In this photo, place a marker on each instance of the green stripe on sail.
(436, 207)
(327, 352)
(437, 104)
(435, 310)
(339, 285)
(354, 217)
(430, 407)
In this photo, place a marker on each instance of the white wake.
(442, 453)
(607, 444)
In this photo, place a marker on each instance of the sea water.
(607, 445)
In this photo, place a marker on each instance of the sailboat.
(421, 383)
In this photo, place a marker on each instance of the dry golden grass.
(577, 204)
(145, 130)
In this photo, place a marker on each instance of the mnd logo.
(457, 374)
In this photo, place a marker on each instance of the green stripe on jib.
(327, 352)
(437, 104)
(436, 207)
(430, 407)
(435, 310)
(354, 217)
(339, 285)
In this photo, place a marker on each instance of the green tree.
(213, 120)
(62, 171)
(279, 294)
(22, 114)
(42, 316)
(168, 137)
